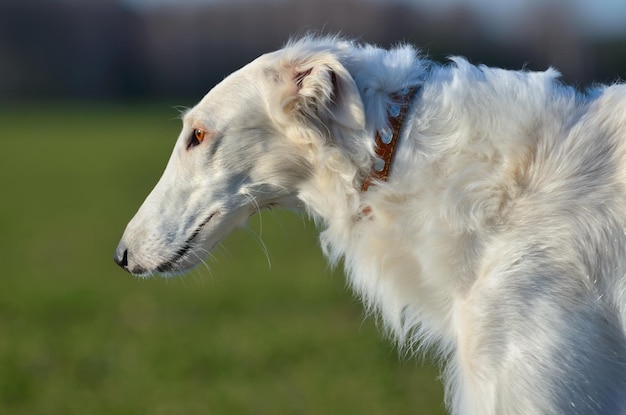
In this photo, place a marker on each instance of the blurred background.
(90, 93)
(107, 49)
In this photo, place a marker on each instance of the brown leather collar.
(386, 139)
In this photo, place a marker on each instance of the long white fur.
(498, 241)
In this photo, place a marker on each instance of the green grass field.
(79, 336)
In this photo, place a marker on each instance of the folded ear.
(321, 89)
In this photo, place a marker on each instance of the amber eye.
(197, 136)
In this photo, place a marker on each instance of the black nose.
(121, 258)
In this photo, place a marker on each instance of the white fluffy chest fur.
(503, 217)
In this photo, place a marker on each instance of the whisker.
(266, 251)
(280, 224)
(179, 277)
(182, 110)
(223, 250)
(206, 254)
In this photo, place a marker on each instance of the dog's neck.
(387, 138)
(335, 196)
(326, 206)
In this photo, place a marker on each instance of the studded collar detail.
(387, 138)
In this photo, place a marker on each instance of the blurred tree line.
(106, 49)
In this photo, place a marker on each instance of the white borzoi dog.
(498, 237)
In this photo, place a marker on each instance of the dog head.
(249, 144)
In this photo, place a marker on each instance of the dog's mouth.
(173, 265)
